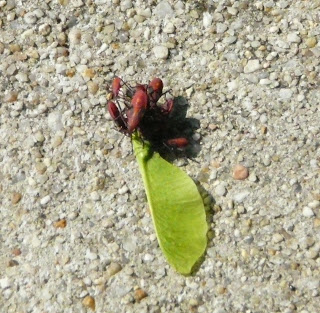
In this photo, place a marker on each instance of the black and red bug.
(116, 86)
(155, 90)
(177, 142)
(139, 105)
(137, 109)
(117, 116)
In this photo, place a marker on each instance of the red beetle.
(139, 104)
(116, 115)
(115, 86)
(156, 87)
(177, 142)
(141, 87)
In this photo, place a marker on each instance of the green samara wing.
(176, 207)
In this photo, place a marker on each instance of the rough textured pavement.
(75, 231)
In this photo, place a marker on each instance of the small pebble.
(207, 19)
(88, 73)
(207, 45)
(230, 40)
(194, 14)
(311, 42)
(221, 290)
(266, 161)
(89, 302)
(41, 168)
(193, 302)
(138, 19)
(30, 18)
(93, 87)
(38, 13)
(161, 52)
(16, 252)
(11, 70)
(233, 11)
(285, 93)
(148, 258)
(139, 294)
(252, 177)
(124, 189)
(220, 190)
(55, 121)
(276, 238)
(91, 255)
(22, 77)
(240, 172)
(45, 200)
(5, 283)
(239, 197)
(16, 197)
(11, 96)
(113, 269)
(307, 212)
(60, 224)
(163, 9)
(314, 204)
(293, 37)
(56, 141)
(196, 137)
(252, 66)
(125, 5)
(312, 253)
(46, 294)
(15, 48)
(95, 196)
(221, 28)
(103, 47)
(316, 222)
(77, 3)
(74, 36)
(169, 28)
(44, 29)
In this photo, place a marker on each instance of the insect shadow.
(210, 205)
(180, 126)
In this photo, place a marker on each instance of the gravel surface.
(76, 234)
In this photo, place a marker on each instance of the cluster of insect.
(144, 108)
